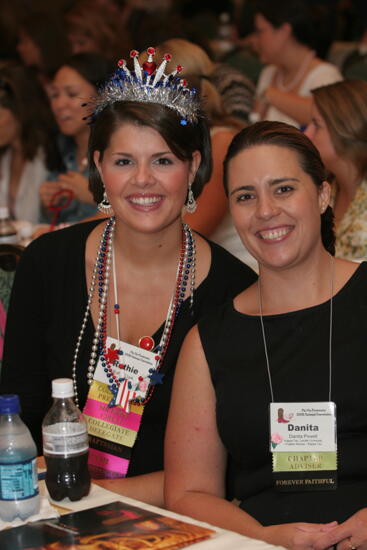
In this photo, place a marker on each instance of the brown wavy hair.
(343, 106)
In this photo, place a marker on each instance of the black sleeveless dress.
(298, 347)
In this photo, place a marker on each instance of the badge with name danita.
(303, 444)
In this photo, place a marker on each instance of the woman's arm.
(146, 488)
(212, 203)
(289, 103)
(195, 458)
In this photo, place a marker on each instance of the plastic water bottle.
(65, 445)
(8, 231)
(18, 470)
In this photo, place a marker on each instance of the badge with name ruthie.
(304, 446)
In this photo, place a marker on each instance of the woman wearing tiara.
(109, 302)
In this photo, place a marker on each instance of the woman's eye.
(284, 189)
(122, 162)
(164, 161)
(244, 197)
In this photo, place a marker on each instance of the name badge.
(113, 421)
(303, 444)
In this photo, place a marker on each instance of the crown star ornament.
(148, 83)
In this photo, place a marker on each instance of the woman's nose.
(59, 102)
(266, 207)
(309, 131)
(143, 175)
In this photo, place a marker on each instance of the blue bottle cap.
(9, 404)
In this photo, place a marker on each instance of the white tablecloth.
(222, 540)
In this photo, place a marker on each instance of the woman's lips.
(145, 202)
(275, 234)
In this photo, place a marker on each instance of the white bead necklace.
(279, 78)
(100, 277)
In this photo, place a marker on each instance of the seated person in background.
(93, 27)
(74, 84)
(148, 159)
(355, 63)
(28, 148)
(43, 44)
(339, 130)
(286, 341)
(285, 40)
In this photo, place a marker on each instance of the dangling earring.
(104, 206)
(191, 203)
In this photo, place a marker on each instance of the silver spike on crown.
(149, 84)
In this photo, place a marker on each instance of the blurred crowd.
(249, 59)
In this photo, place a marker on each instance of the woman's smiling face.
(68, 92)
(275, 205)
(145, 182)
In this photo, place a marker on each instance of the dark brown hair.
(289, 137)
(23, 95)
(182, 140)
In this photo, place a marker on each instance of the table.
(222, 540)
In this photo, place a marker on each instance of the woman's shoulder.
(63, 241)
(322, 74)
(265, 77)
(227, 270)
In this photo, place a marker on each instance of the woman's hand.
(78, 184)
(47, 190)
(297, 536)
(350, 534)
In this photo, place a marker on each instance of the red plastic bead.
(179, 68)
(167, 57)
(146, 342)
(151, 51)
(134, 53)
(121, 62)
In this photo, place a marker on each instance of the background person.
(285, 38)
(263, 347)
(339, 130)
(28, 148)
(73, 84)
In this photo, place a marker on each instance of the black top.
(44, 321)
(298, 349)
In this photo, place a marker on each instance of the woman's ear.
(194, 164)
(324, 196)
(96, 158)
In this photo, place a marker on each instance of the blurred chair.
(9, 257)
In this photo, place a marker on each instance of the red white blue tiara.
(148, 83)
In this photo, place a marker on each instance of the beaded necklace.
(279, 78)
(100, 277)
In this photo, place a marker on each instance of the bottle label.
(65, 438)
(18, 480)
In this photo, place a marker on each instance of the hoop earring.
(191, 204)
(104, 206)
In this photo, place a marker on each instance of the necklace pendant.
(146, 342)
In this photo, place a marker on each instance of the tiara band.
(148, 83)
